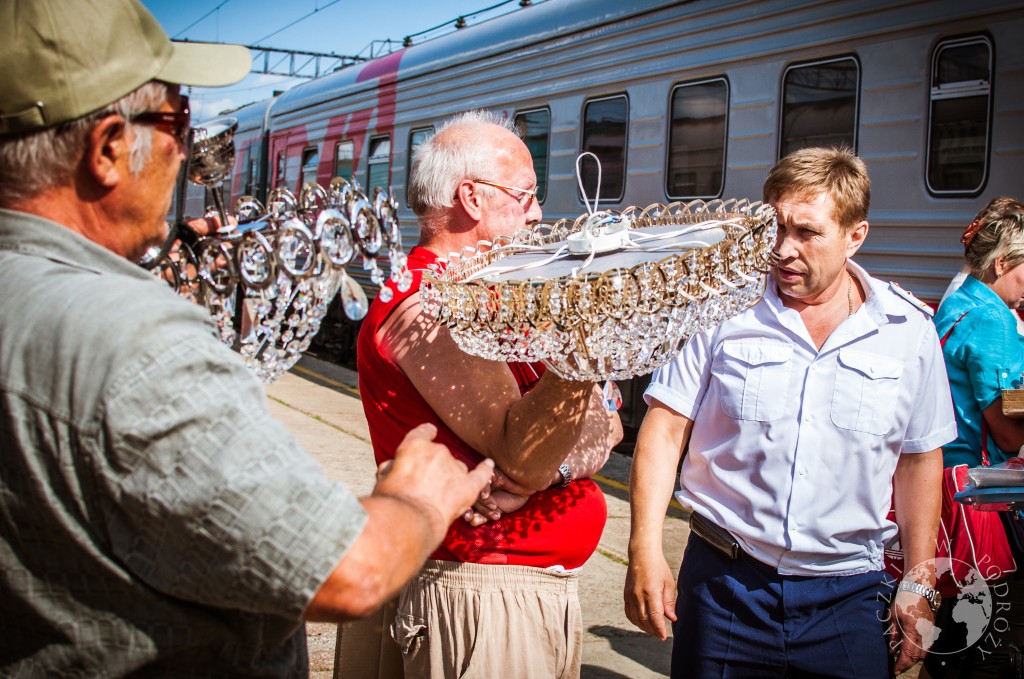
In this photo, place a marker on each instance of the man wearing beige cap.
(154, 519)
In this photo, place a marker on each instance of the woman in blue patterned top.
(984, 355)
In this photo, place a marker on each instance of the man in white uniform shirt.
(802, 418)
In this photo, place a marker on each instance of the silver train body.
(693, 99)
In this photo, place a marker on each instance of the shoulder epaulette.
(899, 291)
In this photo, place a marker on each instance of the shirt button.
(803, 472)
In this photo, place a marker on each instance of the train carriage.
(693, 99)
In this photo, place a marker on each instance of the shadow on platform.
(642, 649)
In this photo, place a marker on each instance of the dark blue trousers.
(740, 618)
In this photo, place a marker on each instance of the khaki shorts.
(468, 620)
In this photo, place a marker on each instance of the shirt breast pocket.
(754, 378)
(866, 391)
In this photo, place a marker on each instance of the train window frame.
(338, 145)
(430, 130)
(281, 169)
(855, 144)
(251, 167)
(725, 136)
(960, 90)
(371, 162)
(543, 178)
(625, 148)
(310, 156)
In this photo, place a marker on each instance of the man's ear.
(107, 150)
(471, 199)
(857, 235)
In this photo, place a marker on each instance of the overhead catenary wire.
(302, 18)
(197, 21)
(459, 22)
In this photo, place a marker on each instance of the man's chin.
(152, 244)
(789, 289)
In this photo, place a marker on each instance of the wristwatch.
(930, 595)
(566, 473)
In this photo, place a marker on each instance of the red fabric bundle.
(974, 541)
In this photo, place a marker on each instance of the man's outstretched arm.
(416, 498)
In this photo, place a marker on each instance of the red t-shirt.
(557, 526)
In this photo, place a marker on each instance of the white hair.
(34, 162)
(444, 160)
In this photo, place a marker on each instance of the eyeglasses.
(180, 121)
(524, 197)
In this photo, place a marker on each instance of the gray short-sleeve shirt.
(154, 518)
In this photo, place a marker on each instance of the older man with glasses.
(154, 519)
(500, 594)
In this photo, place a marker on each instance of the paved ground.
(317, 401)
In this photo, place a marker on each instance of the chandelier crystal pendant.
(268, 275)
(609, 296)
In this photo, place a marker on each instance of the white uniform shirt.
(793, 449)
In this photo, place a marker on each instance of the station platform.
(319, 403)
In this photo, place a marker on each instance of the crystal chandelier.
(268, 276)
(610, 295)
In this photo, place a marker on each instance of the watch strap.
(930, 595)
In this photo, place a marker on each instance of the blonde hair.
(836, 172)
(998, 232)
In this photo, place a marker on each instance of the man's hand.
(425, 474)
(206, 226)
(416, 498)
(912, 631)
(501, 496)
(650, 594)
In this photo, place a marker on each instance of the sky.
(343, 27)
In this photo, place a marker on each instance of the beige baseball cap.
(63, 59)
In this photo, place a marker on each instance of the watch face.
(936, 601)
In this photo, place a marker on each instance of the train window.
(535, 130)
(696, 152)
(416, 137)
(282, 180)
(343, 154)
(819, 105)
(378, 164)
(310, 163)
(604, 135)
(252, 181)
(958, 129)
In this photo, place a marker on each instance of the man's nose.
(784, 246)
(533, 213)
